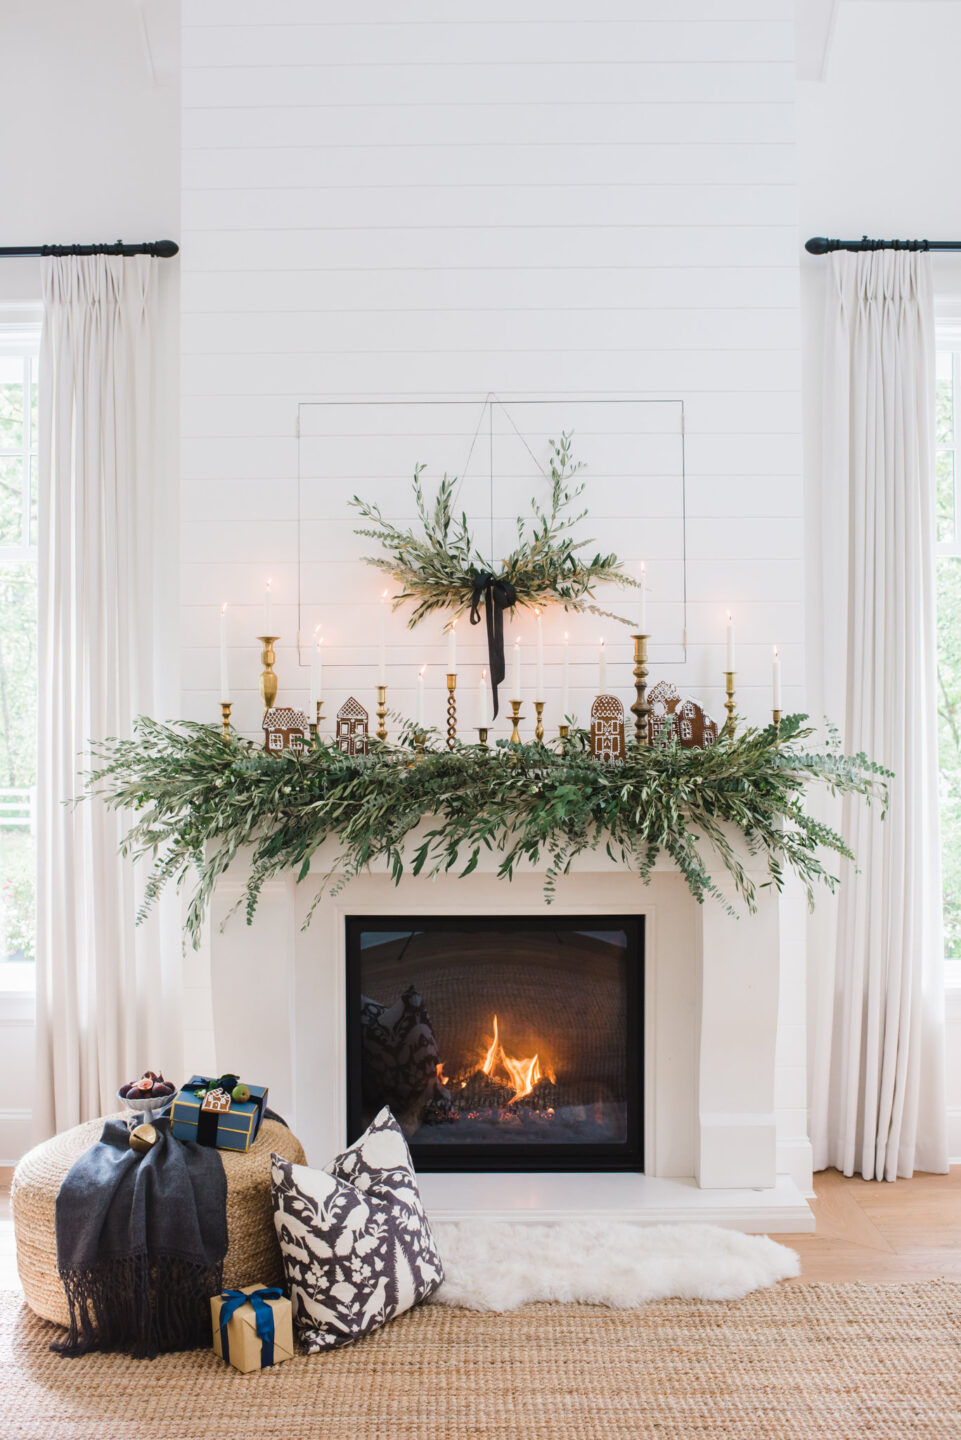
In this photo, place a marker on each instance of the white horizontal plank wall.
(529, 199)
(547, 198)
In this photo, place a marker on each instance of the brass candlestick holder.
(268, 680)
(381, 712)
(776, 720)
(729, 703)
(539, 727)
(563, 731)
(225, 709)
(482, 736)
(420, 738)
(315, 723)
(451, 711)
(516, 718)
(640, 709)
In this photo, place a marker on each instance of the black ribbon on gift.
(208, 1121)
(263, 1319)
(498, 596)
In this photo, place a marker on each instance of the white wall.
(879, 148)
(90, 120)
(542, 199)
(547, 197)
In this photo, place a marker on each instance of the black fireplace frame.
(546, 1158)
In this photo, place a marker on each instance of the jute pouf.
(252, 1250)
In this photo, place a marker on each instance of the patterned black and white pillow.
(355, 1241)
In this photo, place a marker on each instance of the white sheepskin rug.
(498, 1266)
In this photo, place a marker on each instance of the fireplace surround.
(508, 1042)
(723, 1031)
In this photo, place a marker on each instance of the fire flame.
(522, 1074)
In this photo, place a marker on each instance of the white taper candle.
(539, 674)
(224, 668)
(566, 679)
(776, 681)
(516, 671)
(602, 671)
(729, 666)
(482, 701)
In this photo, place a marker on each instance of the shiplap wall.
(542, 197)
(539, 197)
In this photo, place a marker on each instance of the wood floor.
(866, 1230)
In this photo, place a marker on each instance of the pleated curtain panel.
(878, 1106)
(107, 992)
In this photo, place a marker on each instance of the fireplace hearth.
(509, 1043)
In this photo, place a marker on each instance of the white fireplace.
(719, 1142)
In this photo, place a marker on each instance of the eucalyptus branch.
(438, 567)
(197, 799)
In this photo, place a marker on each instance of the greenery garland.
(200, 798)
(440, 568)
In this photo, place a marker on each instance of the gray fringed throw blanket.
(141, 1241)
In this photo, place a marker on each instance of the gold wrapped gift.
(258, 1329)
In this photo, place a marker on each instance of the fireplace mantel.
(712, 1148)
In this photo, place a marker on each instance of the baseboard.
(796, 1158)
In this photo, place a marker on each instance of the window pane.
(11, 500)
(34, 539)
(11, 403)
(945, 494)
(949, 745)
(18, 759)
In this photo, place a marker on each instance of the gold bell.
(144, 1138)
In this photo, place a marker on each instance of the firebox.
(508, 1043)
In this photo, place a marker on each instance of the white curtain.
(878, 1105)
(107, 991)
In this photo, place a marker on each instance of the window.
(18, 652)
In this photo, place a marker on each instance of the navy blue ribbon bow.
(263, 1318)
(498, 596)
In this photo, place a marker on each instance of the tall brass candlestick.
(419, 739)
(225, 708)
(268, 680)
(451, 711)
(482, 736)
(315, 723)
(563, 731)
(516, 717)
(776, 720)
(381, 712)
(640, 709)
(539, 727)
(729, 704)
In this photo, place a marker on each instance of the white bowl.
(147, 1105)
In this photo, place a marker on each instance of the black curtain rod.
(164, 249)
(818, 245)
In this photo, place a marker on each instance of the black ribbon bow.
(498, 596)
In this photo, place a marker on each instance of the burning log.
(482, 1092)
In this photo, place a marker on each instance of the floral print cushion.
(356, 1245)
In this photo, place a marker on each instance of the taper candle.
(268, 610)
(382, 648)
(643, 628)
(602, 671)
(729, 667)
(482, 720)
(452, 650)
(420, 698)
(316, 672)
(516, 670)
(539, 676)
(224, 670)
(776, 681)
(566, 678)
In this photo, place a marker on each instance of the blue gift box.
(229, 1127)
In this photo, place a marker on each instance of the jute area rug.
(807, 1362)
